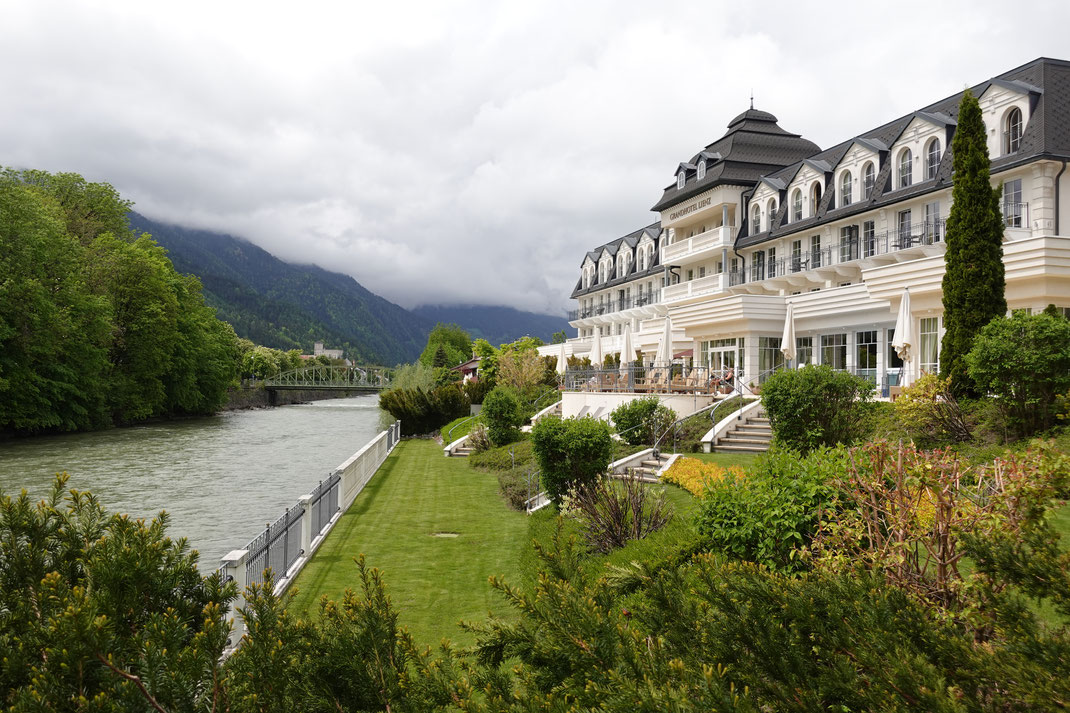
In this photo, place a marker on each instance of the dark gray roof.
(631, 240)
(754, 145)
(1046, 135)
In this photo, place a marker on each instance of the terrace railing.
(656, 379)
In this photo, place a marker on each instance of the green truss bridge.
(333, 378)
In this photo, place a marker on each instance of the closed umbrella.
(627, 351)
(664, 355)
(562, 362)
(787, 341)
(596, 349)
(904, 337)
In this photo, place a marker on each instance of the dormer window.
(701, 169)
(755, 220)
(932, 159)
(845, 189)
(1012, 135)
(905, 177)
(796, 206)
(680, 177)
(869, 178)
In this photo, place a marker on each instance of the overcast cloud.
(464, 151)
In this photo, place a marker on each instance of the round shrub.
(501, 412)
(570, 452)
(640, 421)
(816, 406)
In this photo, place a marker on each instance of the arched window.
(701, 169)
(869, 178)
(756, 220)
(1012, 135)
(932, 159)
(905, 160)
(771, 212)
(815, 197)
(641, 262)
(680, 180)
(623, 264)
(796, 206)
(845, 189)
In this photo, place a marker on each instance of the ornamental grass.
(693, 475)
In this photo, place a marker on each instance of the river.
(221, 479)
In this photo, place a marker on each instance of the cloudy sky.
(460, 151)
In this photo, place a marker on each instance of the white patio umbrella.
(627, 351)
(787, 341)
(664, 355)
(596, 349)
(904, 337)
(562, 362)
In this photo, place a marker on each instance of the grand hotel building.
(762, 218)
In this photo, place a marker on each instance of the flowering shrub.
(693, 475)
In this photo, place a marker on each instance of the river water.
(221, 479)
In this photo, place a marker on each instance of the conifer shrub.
(570, 452)
(816, 406)
(502, 414)
(423, 411)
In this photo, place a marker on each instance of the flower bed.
(693, 475)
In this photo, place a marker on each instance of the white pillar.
(234, 561)
(306, 525)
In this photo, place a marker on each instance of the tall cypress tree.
(974, 281)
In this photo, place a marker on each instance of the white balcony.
(711, 284)
(684, 248)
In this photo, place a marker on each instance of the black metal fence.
(324, 502)
(278, 547)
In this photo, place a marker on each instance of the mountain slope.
(290, 306)
(498, 325)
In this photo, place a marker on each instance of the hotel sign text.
(689, 209)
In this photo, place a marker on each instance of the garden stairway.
(752, 435)
(649, 469)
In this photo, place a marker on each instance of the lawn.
(434, 582)
(725, 459)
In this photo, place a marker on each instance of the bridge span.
(332, 378)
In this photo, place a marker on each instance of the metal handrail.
(457, 425)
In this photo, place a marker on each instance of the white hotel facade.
(763, 218)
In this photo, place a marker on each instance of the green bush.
(504, 457)
(477, 389)
(570, 452)
(423, 411)
(1023, 361)
(501, 412)
(642, 420)
(816, 406)
(768, 514)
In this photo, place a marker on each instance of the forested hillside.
(498, 325)
(96, 327)
(289, 306)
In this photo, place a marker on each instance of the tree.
(570, 452)
(440, 358)
(973, 284)
(642, 420)
(1023, 362)
(452, 339)
(559, 337)
(815, 406)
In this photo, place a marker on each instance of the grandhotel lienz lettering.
(762, 218)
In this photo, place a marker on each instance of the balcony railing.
(1016, 215)
(619, 304)
(856, 248)
(722, 234)
(701, 286)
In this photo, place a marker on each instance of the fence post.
(305, 503)
(234, 561)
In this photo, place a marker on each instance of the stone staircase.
(649, 469)
(752, 435)
(462, 451)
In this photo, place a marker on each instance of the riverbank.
(250, 397)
